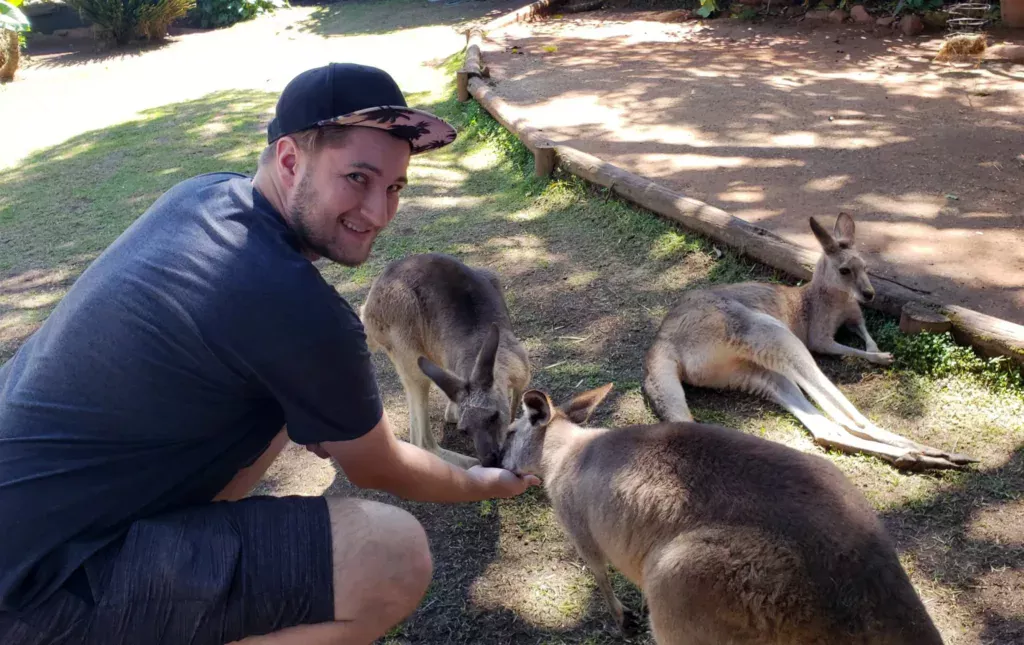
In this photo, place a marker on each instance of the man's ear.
(537, 406)
(286, 158)
(582, 406)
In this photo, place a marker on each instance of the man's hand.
(380, 461)
(501, 482)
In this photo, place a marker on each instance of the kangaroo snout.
(487, 451)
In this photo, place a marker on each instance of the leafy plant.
(707, 7)
(155, 18)
(938, 355)
(13, 23)
(222, 13)
(124, 20)
(916, 6)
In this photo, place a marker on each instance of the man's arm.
(380, 461)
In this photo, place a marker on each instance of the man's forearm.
(380, 461)
(422, 476)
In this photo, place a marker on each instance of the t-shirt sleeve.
(309, 352)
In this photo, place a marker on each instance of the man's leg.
(382, 567)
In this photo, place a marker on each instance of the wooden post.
(462, 85)
(915, 318)
(543, 161)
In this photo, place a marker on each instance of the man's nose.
(375, 208)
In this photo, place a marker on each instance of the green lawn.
(588, 278)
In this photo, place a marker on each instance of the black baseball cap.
(359, 95)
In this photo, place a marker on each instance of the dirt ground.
(775, 122)
(587, 282)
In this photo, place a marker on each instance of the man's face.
(346, 194)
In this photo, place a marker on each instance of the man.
(165, 382)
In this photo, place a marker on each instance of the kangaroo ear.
(828, 243)
(844, 230)
(537, 406)
(450, 384)
(483, 371)
(582, 406)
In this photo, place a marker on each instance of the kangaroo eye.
(844, 271)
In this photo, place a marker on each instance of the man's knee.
(382, 559)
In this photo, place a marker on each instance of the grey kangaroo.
(733, 539)
(758, 337)
(440, 320)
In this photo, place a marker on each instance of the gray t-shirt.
(170, 364)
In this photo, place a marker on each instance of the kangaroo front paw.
(882, 358)
(451, 413)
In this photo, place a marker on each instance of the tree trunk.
(12, 55)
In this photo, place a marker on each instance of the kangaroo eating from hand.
(732, 538)
(440, 320)
(757, 337)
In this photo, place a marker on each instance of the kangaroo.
(757, 337)
(733, 539)
(440, 320)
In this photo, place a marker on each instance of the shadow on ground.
(82, 51)
(775, 124)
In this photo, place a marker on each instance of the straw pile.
(962, 46)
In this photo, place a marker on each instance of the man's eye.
(395, 188)
(357, 177)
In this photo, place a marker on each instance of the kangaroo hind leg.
(779, 351)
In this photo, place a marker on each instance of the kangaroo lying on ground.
(755, 337)
(442, 321)
(733, 539)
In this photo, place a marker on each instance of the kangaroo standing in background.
(733, 539)
(755, 337)
(442, 321)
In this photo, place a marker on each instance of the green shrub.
(124, 20)
(939, 355)
(222, 13)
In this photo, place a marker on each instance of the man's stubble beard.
(299, 215)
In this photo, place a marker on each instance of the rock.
(861, 15)
(911, 25)
(817, 14)
(837, 16)
(885, 21)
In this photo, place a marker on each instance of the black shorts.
(207, 575)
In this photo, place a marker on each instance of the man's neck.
(266, 186)
(270, 191)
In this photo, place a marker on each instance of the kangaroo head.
(483, 408)
(523, 450)
(843, 268)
